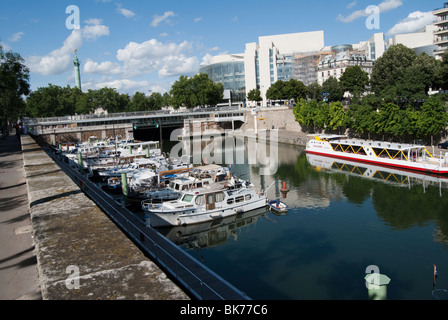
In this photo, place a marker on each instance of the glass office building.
(228, 70)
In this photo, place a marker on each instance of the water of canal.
(342, 219)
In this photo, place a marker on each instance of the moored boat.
(399, 155)
(215, 201)
(278, 206)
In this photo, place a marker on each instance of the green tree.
(388, 120)
(362, 118)
(196, 91)
(442, 75)
(156, 101)
(110, 100)
(254, 95)
(354, 80)
(311, 115)
(14, 85)
(390, 67)
(419, 78)
(336, 117)
(295, 89)
(314, 91)
(139, 102)
(333, 87)
(276, 91)
(304, 113)
(433, 118)
(281, 90)
(52, 101)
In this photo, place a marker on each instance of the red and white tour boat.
(391, 154)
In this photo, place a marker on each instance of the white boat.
(150, 148)
(278, 206)
(398, 155)
(215, 201)
(169, 185)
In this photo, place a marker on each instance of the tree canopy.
(402, 75)
(14, 86)
(196, 91)
(281, 90)
(375, 117)
(354, 80)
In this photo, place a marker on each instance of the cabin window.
(219, 197)
(230, 201)
(248, 197)
(200, 200)
(187, 198)
(239, 199)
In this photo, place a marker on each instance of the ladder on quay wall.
(196, 278)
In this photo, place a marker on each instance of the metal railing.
(168, 255)
(137, 114)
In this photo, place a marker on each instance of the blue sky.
(146, 45)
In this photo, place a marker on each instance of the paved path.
(18, 267)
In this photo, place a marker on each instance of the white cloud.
(206, 59)
(178, 65)
(122, 84)
(125, 12)
(129, 86)
(94, 29)
(59, 60)
(93, 21)
(388, 5)
(159, 19)
(384, 6)
(352, 4)
(214, 49)
(415, 21)
(106, 67)
(167, 58)
(16, 36)
(198, 19)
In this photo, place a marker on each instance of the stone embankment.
(81, 254)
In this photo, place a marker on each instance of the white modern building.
(272, 58)
(441, 33)
(304, 56)
(420, 41)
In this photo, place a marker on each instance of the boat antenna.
(266, 191)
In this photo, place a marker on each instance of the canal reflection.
(401, 199)
(343, 217)
(214, 233)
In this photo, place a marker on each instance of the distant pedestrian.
(18, 132)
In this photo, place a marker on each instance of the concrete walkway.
(18, 266)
